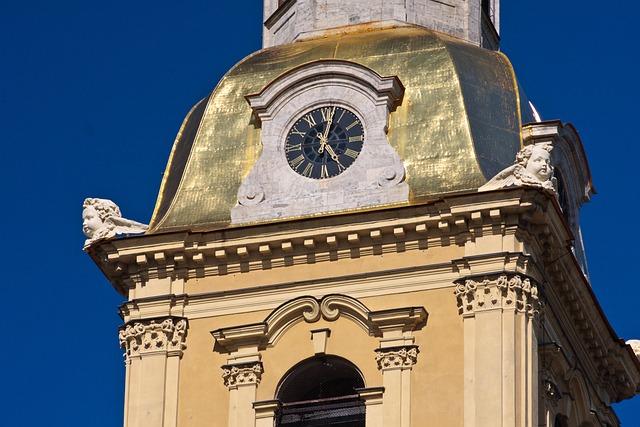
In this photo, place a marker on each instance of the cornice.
(454, 220)
(592, 339)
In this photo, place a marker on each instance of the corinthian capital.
(507, 290)
(242, 374)
(153, 336)
(397, 357)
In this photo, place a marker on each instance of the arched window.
(321, 391)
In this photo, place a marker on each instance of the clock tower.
(286, 21)
(366, 223)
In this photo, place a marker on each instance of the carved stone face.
(539, 164)
(91, 221)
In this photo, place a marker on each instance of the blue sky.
(92, 95)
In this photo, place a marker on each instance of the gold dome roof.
(458, 125)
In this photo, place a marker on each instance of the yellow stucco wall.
(437, 378)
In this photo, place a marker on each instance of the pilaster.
(242, 375)
(500, 349)
(153, 348)
(396, 363)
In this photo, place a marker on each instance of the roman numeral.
(327, 113)
(294, 147)
(341, 115)
(310, 120)
(351, 153)
(295, 131)
(357, 122)
(340, 167)
(356, 138)
(324, 172)
(295, 163)
(308, 170)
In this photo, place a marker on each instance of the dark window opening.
(561, 421)
(487, 9)
(321, 391)
(563, 197)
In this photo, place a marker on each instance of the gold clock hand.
(325, 135)
(333, 154)
(322, 144)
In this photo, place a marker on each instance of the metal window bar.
(344, 411)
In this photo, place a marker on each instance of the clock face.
(324, 142)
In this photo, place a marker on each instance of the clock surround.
(273, 189)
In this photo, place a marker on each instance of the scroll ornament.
(144, 337)
(101, 219)
(532, 168)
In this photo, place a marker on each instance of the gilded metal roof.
(458, 125)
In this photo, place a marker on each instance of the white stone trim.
(272, 190)
(386, 90)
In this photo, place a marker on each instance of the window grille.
(321, 391)
(347, 411)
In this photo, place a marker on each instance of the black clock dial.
(324, 142)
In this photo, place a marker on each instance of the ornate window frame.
(388, 404)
